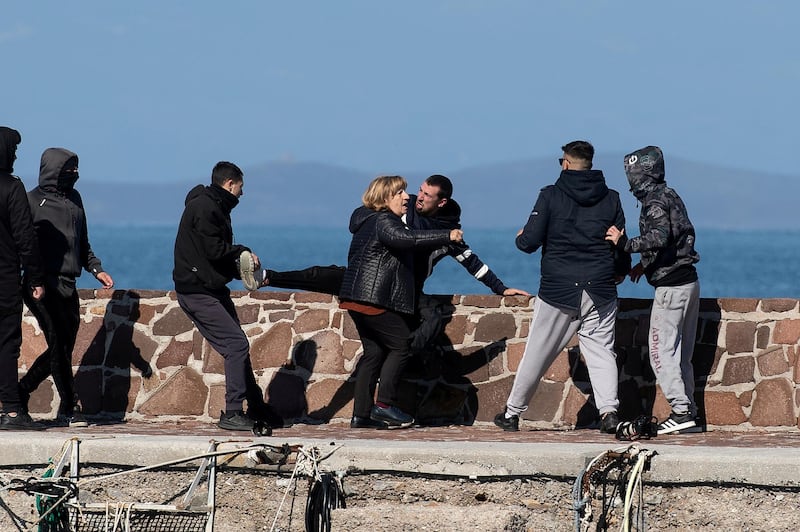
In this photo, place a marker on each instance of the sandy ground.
(249, 500)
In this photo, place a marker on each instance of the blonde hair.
(381, 189)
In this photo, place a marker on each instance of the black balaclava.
(68, 177)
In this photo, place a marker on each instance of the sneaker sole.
(680, 428)
(235, 427)
(392, 423)
(507, 429)
(246, 269)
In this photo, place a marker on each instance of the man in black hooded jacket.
(578, 291)
(61, 228)
(206, 260)
(18, 246)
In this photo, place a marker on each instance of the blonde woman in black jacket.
(378, 292)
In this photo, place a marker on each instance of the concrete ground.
(757, 458)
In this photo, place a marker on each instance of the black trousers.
(386, 342)
(59, 318)
(323, 279)
(10, 342)
(218, 323)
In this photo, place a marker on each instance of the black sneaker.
(393, 416)
(268, 415)
(509, 424)
(235, 420)
(73, 420)
(678, 423)
(367, 423)
(250, 278)
(19, 421)
(609, 423)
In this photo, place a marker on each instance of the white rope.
(634, 484)
(285, 493)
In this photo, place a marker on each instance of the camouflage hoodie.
(667, 236)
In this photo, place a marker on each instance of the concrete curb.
(674, 464)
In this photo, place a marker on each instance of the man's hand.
(256, 262)
(637, 272)
(515, 292)
(613, 234)
(456, 235)
(37, 292)
(105, 280)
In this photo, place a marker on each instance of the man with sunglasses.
(578, 292)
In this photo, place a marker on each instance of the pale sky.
(160, 91)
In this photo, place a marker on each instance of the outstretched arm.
(480, 270)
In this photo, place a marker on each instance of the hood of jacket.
(9, 139)
(644, 169)
(360, 217)
(450, 214)
(53, 162)
(586, 187)
(225, 199)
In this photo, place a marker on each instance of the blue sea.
(758, 264)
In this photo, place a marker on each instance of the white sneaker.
(678, 423)
(247, 271)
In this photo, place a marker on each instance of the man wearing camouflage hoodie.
(666, 244)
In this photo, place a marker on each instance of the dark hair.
(223, 171)
(444, 184)
(581, 151)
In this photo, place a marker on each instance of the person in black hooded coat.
(206, 260)
(18, 246)
(60, 222)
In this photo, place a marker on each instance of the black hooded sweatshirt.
(205, 256)
(448, 217)
(60, 220)
(569, 222)
(18, 244)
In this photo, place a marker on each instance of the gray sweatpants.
(673, 324)
(550, 330)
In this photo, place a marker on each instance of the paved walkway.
(478, 451)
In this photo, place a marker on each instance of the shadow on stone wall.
(286, 392)
(436, 388)
(103, 379)
(638, 391)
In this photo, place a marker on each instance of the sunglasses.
(561, 162)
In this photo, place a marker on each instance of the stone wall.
(139, 358)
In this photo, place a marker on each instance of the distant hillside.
(497, 195)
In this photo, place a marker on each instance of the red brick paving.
(483, 432)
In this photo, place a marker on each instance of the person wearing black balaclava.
(18, 246)
(60, 223)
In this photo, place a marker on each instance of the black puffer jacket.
(569, 222)
(60, 220)
(205, 256)
(18, 245)
(380, 263)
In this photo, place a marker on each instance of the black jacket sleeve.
(24, 234)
